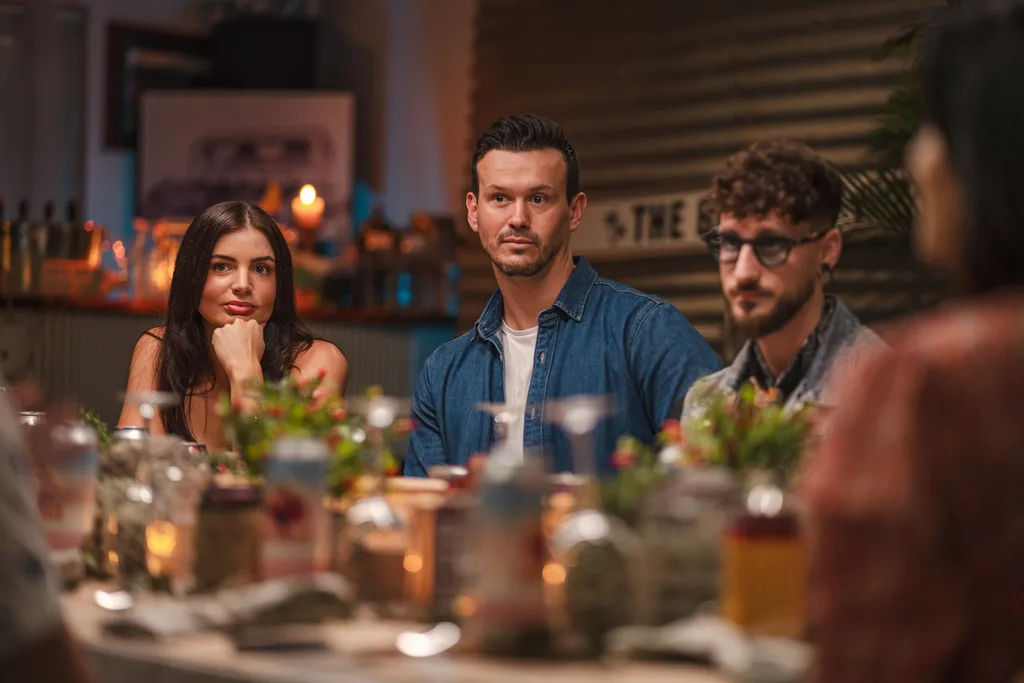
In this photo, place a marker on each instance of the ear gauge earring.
(826, 272)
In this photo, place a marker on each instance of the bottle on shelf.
(20, 275)
(5, 250)
(73, 235)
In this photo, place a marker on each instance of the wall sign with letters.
(643, 223)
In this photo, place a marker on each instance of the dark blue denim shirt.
(599, 337)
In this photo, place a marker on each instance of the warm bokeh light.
(307, 194)
(464, 606)
(412, 563)
(161, 537)
(554, 574)
(118, 248)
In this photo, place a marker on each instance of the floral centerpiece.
(748, 429)
(298, 407)
(743, 431)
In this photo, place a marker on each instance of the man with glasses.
(777, 204)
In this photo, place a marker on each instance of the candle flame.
(307, 194)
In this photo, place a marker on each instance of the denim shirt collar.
(572, 300)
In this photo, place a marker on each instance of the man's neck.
(526, 297)
(780, 348)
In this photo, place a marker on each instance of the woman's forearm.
(244, 388)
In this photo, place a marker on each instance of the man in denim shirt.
(553, 329)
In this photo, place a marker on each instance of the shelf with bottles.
(51, 256)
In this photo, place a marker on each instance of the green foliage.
(749, 429)
(881, 198)
(296, 408)
(884, 198)
(639, 473)
(105, 436)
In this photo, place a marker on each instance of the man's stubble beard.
(784, 311)
(526, 268)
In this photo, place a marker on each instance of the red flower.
(673, 430)
(403, 425)
(621, 459)
(222, 468)
(333, 439)
(275, 411)
(390, 471)
(340, 414)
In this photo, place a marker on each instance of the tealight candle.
(307, 209)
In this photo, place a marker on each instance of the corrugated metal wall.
(655, 95)
(84, 355)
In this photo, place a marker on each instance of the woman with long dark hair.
(231, 324)
(916, 498)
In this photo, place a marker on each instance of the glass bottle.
(504, 605)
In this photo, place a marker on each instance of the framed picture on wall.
(198, 148)
(139, 59)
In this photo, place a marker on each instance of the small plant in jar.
(296, 407)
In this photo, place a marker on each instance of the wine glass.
(374, 512)
(150, 403)
(504, 416)
(591, 551)
(578, 416)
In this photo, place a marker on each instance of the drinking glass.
(591, 552)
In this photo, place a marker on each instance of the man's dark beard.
(526, 269)
(784, 311)
(523, 269)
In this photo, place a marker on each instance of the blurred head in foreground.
(967, 158)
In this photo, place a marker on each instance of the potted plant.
(295, 407)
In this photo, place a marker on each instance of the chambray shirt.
(599, 337)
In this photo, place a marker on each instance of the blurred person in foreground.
(34, 643)
(776, 242)
(916, 498)
(554, 328)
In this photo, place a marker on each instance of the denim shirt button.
(533, 411)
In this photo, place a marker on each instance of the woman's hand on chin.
(239, 349)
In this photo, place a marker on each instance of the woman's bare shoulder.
(150, 340)
(321, 352)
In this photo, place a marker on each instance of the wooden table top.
(359, 651)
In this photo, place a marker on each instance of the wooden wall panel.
(655, 95)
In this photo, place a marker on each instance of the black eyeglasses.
(771, 250)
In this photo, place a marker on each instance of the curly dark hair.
(779, 176)
(528, 133)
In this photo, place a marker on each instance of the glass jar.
(682, 526)
(765, 560)
(227, 548)
(451, 524)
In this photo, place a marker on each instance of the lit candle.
(161, 542)
(307, 209)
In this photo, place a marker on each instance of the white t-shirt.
(518, 347)
(29, 602)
